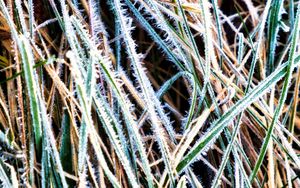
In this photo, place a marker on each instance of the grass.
(149, 93)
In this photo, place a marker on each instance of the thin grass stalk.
(108, 121)
(31, 17)
(88, 127)
(206, 67)
(294, 107)
(283, 95)
(6, 179)
(216, 182)
(291, 12)
(274, 25)
(21, 16)
(155, 110)
(163, 44)
(221, 123)
(162, 24)
(43, 117)
(219, 28)
(131, 123)
(243, 175)
(105, 114)
(258, 45)
(288, 173)
(28, 76)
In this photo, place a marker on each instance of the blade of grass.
(217, 127)
(287, 80)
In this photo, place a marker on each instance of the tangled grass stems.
(148, 93)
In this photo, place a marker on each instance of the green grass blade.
(274, 20)
(217, 127)
(287, 80)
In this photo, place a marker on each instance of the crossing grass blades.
(149, 93)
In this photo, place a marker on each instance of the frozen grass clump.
(148, 93)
